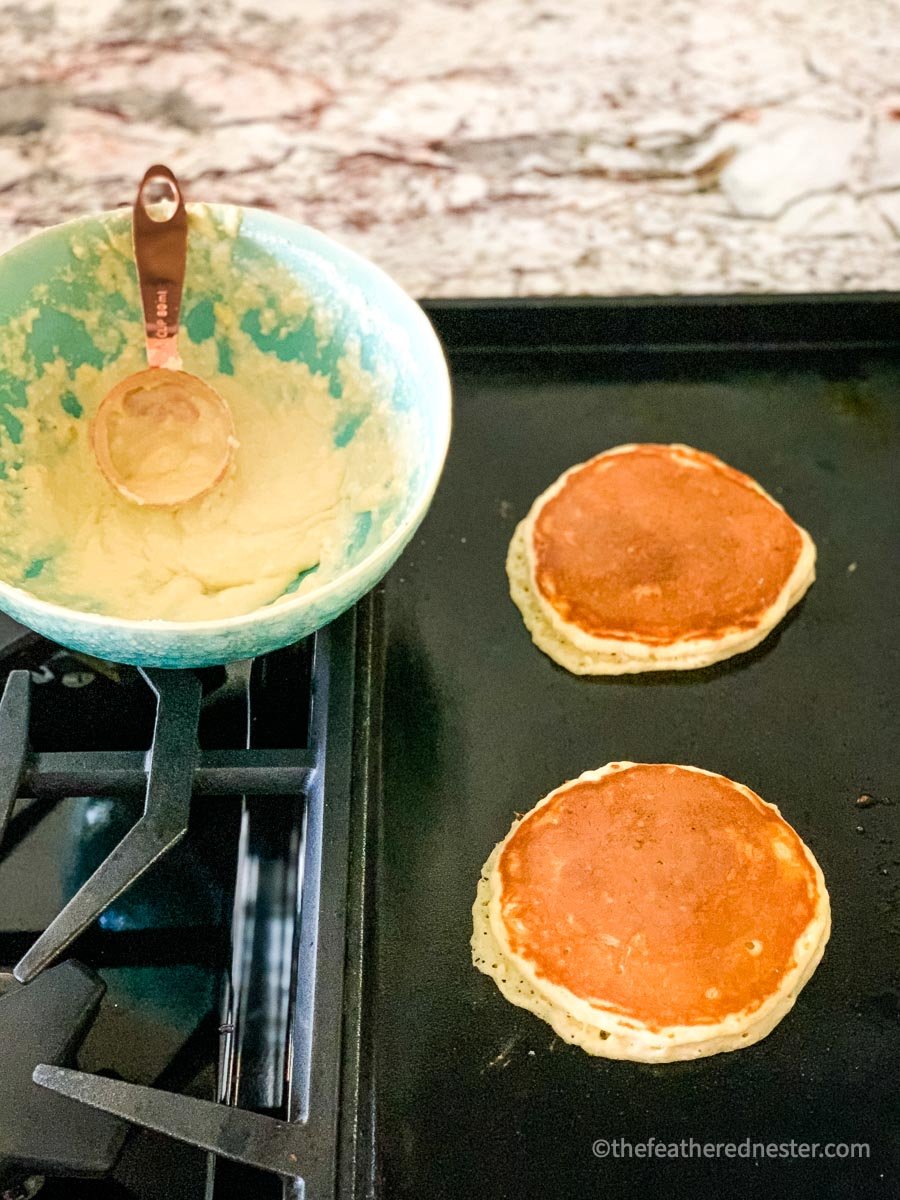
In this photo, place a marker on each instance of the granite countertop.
(484, 147)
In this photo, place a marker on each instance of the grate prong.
(164, 821)
(15, 713)
(236, 1133)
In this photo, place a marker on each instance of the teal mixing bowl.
(66, 302)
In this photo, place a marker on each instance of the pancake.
(652, 912)
(652, 557)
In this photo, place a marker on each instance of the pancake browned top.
(658, 544)
(665, 894)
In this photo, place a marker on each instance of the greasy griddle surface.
(476, 1098)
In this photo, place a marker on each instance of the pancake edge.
(604, 1032)
(582, 654)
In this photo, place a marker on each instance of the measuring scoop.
(162, 437)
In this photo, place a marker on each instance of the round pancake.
(652, 912)
(650, 557)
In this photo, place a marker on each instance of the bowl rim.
(283, 605)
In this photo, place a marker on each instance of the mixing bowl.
(69, 302)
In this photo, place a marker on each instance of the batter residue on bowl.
(311, 469)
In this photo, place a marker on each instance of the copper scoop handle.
(160, 251)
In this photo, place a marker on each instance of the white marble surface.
(484, 147)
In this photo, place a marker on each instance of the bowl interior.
(256, 284)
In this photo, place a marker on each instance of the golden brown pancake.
(645, 545)
(653, 556)
(658, 903)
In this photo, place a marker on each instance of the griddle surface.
(476, 1098)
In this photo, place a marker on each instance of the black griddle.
(450, 1091)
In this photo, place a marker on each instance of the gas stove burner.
(40, 1132)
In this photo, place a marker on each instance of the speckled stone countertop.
(484, 147)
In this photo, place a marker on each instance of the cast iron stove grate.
(280, 1031)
